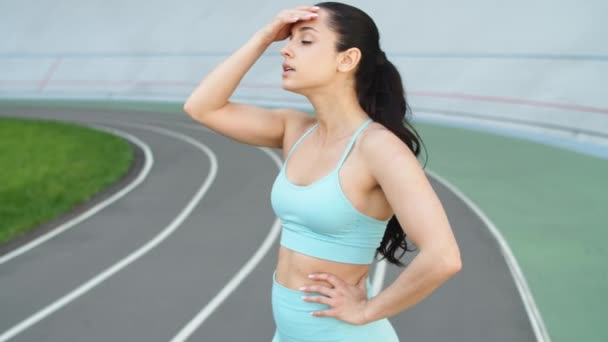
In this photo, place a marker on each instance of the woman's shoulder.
(378, 140)
(376, 132)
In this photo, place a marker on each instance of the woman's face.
(310, 50)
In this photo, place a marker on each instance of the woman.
(338, 213)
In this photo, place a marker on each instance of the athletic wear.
(294, 323)
(319, 220)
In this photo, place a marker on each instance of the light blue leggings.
(295, 324)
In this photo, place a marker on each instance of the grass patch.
(49, 167)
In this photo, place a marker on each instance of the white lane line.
(231, 286)
(167, 231)
(149, 161)
(536, 320)
(236, 280)
(378, 280)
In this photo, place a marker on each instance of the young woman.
(338, 213)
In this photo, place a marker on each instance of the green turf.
(550, 205)
(48, 167)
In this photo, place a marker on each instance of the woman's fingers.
(319, 299)
(301, 11)
(279, 28)
(331, 292)
(297, 15)
(307, 8)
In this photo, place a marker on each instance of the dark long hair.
(381, 94)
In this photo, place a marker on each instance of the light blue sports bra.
(319, 220)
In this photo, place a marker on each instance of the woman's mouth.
(287, 69)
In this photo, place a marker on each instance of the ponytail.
(384, 100)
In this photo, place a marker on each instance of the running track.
(188, 252)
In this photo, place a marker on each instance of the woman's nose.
(285, 51)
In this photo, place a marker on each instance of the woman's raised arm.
(209, 103)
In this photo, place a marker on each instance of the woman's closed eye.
(306, 42)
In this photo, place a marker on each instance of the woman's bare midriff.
(293, 269)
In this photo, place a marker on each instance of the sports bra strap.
(300, 139)
(352, 142)
(348, 147)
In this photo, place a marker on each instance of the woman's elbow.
(192, 112)
(188, 108)
(456, 266)
(453, 264)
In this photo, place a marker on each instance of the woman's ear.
(349, 59)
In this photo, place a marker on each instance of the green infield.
(49, 167)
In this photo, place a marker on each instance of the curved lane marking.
(166, 232)
(536, 320)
